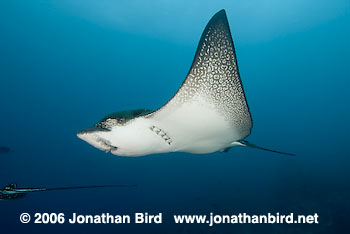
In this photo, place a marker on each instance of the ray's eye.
(111, 121)
(108, 123)
(121, 120)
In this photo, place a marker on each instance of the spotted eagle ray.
(208, 113)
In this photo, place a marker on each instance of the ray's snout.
(87, 135)
(92, 130)
(97, 138)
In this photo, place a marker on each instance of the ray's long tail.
(247, 143)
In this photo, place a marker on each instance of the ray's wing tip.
(218, 18)
(221, 12)
(219, 15)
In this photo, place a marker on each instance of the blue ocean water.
(66, 64)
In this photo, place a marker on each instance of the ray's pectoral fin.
(247, 143)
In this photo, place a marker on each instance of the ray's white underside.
(194, 127)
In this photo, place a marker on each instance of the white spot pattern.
(214, 75)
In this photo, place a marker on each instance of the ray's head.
(107, 135)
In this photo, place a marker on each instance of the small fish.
(5, 150)
(12, 192)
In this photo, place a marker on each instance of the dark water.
(65, 65)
